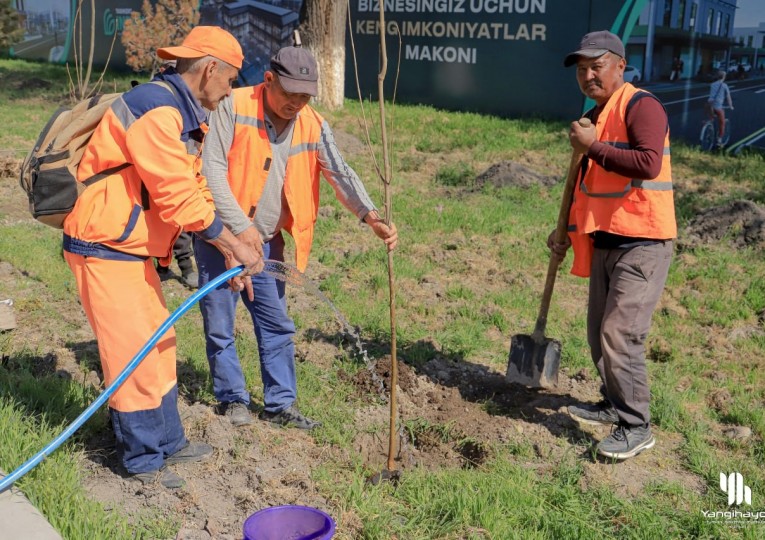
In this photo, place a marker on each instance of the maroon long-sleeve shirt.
(647, 125)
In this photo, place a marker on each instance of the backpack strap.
(106, 172)
(145, 199)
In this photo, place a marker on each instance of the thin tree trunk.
(322, 27)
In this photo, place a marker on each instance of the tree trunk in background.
(322, 29)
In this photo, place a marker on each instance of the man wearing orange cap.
(268, 151)
(148, 187)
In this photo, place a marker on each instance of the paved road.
(685, 106)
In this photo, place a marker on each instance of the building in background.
(750, 47)
(261, 27)
(699, 32)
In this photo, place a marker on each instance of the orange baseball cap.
(206, 41)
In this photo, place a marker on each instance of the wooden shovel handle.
(561, 231)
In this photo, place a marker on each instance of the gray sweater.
(271, 208)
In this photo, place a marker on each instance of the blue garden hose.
(9, 480)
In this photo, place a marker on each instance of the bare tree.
(160, 24)
(80, 84)
(322, 25)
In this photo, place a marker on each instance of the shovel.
(534, 359)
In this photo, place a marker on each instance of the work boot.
(626, 442)
(598, 414)
(237, 413)
(190, 279)
(164, 476)
(290, 416)
(196, 451)
(164, 272)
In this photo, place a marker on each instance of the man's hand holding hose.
(238, 253)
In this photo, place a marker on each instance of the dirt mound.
(9, 167)
(511, 173)
(741, 223)
(33, 83)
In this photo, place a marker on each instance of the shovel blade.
(533, 363)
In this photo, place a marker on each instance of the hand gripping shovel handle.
(561, 231)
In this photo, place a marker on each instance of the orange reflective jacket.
(606, 201)
(142, 209)
(249, 160)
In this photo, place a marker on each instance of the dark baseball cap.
(596, 44)
(297, 71)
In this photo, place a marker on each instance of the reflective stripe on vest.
(634, 183)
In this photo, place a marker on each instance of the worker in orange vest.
(266, 154)
(134, 214)
(622, 226)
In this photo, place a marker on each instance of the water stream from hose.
(291, 275)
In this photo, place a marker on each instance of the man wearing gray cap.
(264, 155)
(622, 226)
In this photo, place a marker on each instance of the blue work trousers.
(273, 329)
(146, 438)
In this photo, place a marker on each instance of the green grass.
(470, 270)
(34, 409)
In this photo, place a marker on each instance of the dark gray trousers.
(625, 286)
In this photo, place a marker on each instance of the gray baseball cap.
(596, 44)
(297, 71)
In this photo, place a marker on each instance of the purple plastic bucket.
(289, 523)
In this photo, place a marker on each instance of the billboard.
(49, 30)
(500, 57)
(489, 56)
(51, 34)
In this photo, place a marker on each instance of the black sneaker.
(164, 476)
(196, 451)
(164, 272)
(290, 416)
(237, 413)
(626, 442)
(599, 414)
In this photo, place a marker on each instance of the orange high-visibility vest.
(606, 201)
(249, 160)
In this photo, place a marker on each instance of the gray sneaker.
(290, 416)
(164, 476)
(196, 451)
(599, 414)
(626, 442)
(237, 413)
(190, 279)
